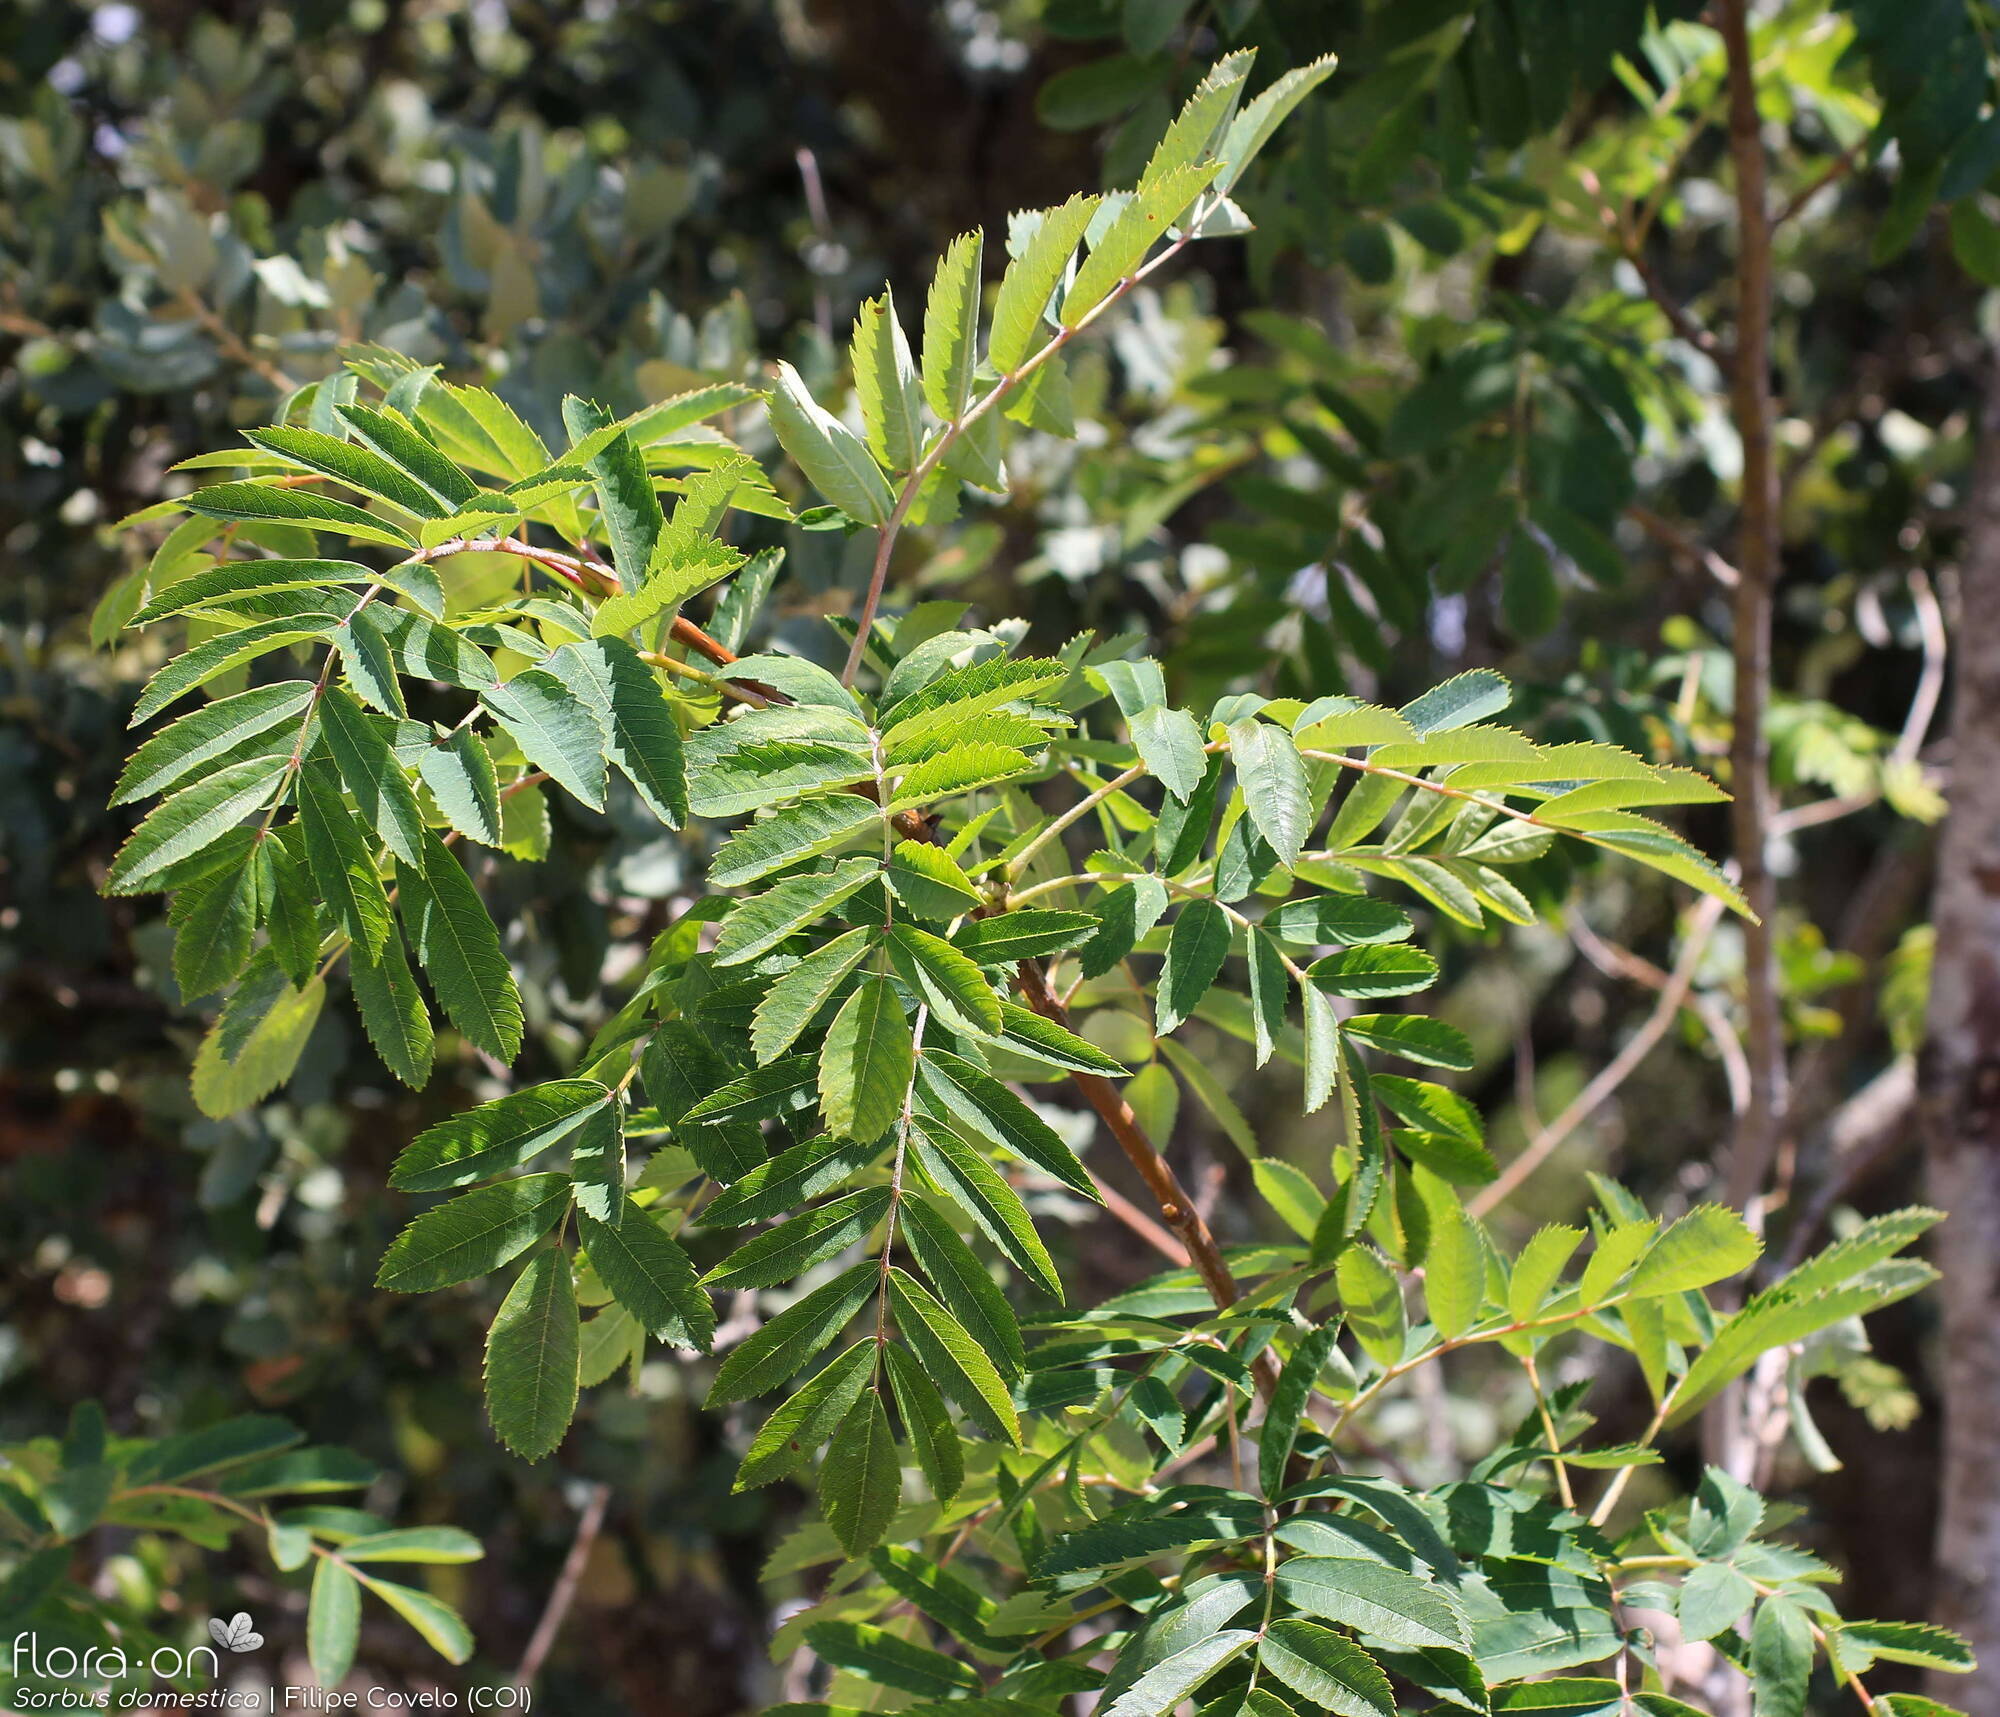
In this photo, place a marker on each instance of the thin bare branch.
(589, 1524)
(1701, 925)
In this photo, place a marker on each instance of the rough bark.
(1959, 1084)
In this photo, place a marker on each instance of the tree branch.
(1757, 565)
(563, 1593)
(1177, 1205)
(1615, 1072)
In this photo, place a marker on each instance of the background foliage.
(1455, 403)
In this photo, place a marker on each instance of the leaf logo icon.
(236, 1634)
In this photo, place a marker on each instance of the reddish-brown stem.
(1177, 1206)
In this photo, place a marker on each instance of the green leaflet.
(333, 1622)
(756, 1095)
(1124, 915)
(597, 1164)
(827, 451)
(1030, 280)
(1170, 1629)
(1714, 1596)
(866, 1063)
(1383, 1603)
(496, 1136)
(1260, 119)
(1036, 1038)
(1288, 1405)
(1777, 1317)
(438, 1625)
(557, 731)
(964, 1176)
(929, 883)
(205, 661)
(877, 1655)
(1373, 973)
(392, 436)
(954, 1361)
(1170, 1681)
(231, 582)
(460, 950)
(1200, 126)
(1106, 1543)
(945, 978)
(642, 739)
(358, 467)
(938, 1594)
(1143, 222)
(191, 820)
(210, 735)
(342, 864)
(1270, 991)
(1454, 1265)
(678, 569)
(392, 1010)
(807, 1417)
(777, 1350)
(214, 918)
(786, 1252)
(1707, 1245)
(927, 1425)
(885, 378)
(629, 508)
(964, 1286)
(1414, 1037)
(370, 663)
(610, 1340)
(1026, 934)
(473, 1234)
(978, 1105)
(1326, 1670)
(255, 502)
(681, 1068)
(861, 1483)
(649, 1275)
(426, 1544)
(1372, 1301)
(255, 1043)
(1169, 742)
(373, 777)
(459, 773)
(961, 769)
(1196, 948)
(792, 835)
(759, 924)
(951, 327)
(1916, 1643)
(1275, 791)
(795, 1000)
(532, 1358)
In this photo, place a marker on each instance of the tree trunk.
(1960, 1099)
